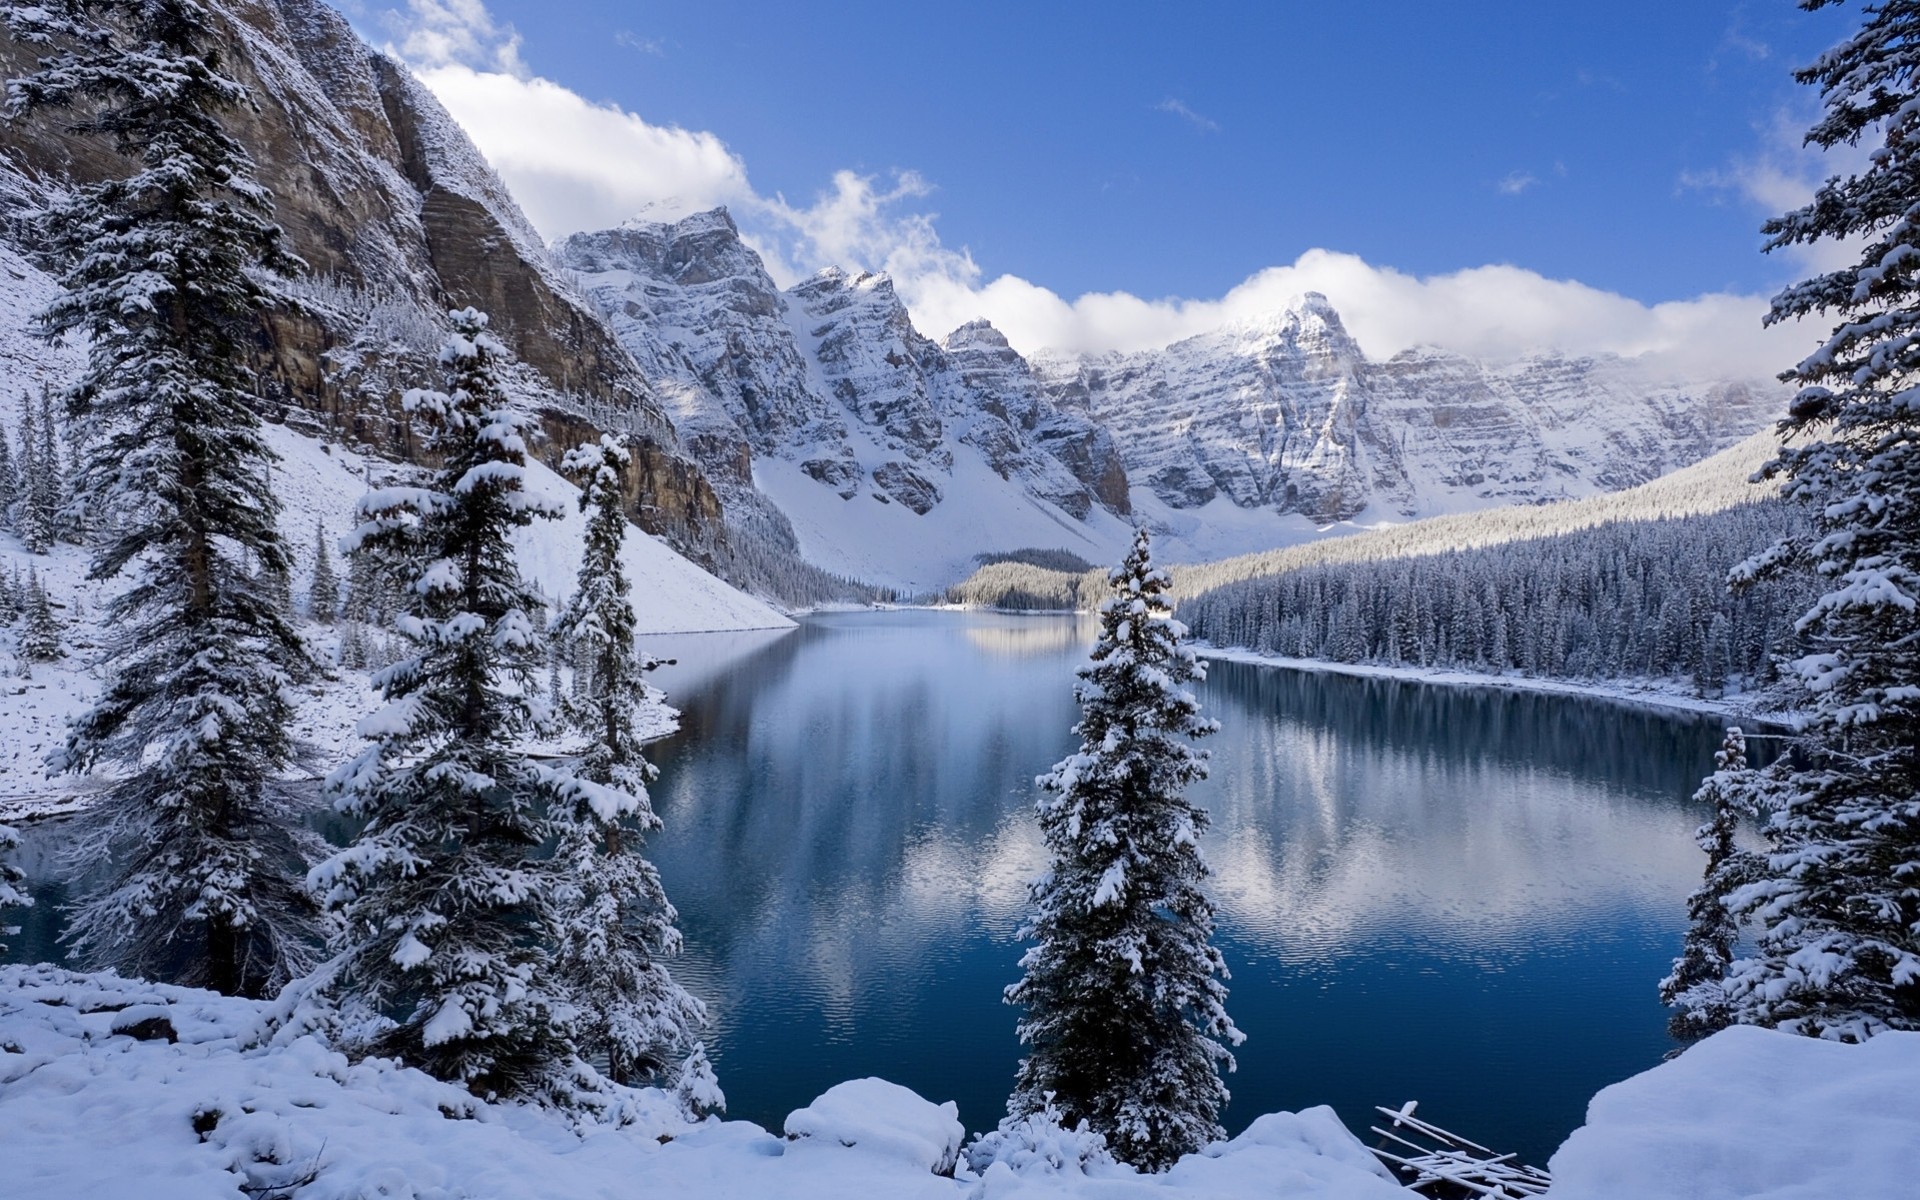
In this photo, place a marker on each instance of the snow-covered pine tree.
(31, 521)
(1838, 951)
(616, 922)
(163, 273)
(323, 597)
(448, 904)
(1696, 986)
(1125, 1005)
(698, 1088)
(11, 895)
(49, 487)
(9, 481)
(41, 635)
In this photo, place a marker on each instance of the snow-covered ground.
(238, 1102)
(1650, 693)
(1758, 1115)
(318, 485)
(110, 1087)
(891, 545)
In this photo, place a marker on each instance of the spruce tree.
(41, 637)
(9, 481)
(11, 895)
(323, 598)
(447, 903)
(616, 924)
(1839, 902)
(164, 271)
(31, 520)
(1696, 986)
(49, 482)
(1125, 1005)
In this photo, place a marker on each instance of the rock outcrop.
(399, 219)
(831, 374)
(1285, 412)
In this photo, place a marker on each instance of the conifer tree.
(1695, 988)
(9, 481)
(164, 271)
(11, 601)
(1125, 1005)
(616, 924)
(11, 895)
(448, 906)
(1838, 951)
(49, 482)
(323, 598)
(31, 520)
(698, 1089)
(40, 638)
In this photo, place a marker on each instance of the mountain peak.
(660, 215)
(978, 333)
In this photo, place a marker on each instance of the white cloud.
(1493, 311)
(437, 33)
(1782, 175)
(645, 45)
(1179, 109)
(575, 164)
(1516, 182)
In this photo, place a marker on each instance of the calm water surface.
(1460, 896)
(1457, 896)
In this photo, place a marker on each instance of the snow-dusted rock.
(1286, 412)
(877, 1117)
(1755, 1114)
(832, 372)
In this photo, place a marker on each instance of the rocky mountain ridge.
(1283, 415)
(1286, 412)
(830, 374)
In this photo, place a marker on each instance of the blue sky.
(1168, 152)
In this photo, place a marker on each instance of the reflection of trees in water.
(1653, 753)
(1345, 805)
(1029, 637)
(837, 804)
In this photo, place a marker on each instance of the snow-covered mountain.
(894, 458)
(1285, 412)
(825, 401)
(399, 218)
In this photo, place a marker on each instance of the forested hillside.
(1629, 599)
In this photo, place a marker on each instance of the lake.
(1460, 896)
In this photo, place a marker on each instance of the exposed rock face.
(1285, 412)
(400, 219)
(831, 374)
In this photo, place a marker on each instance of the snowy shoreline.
(1643, 694)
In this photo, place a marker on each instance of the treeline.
(1623, 600)
(1024, 581)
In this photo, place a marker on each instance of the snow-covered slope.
(318, 484)
(243, 1105)
(1285, 412)
(1758, 1115)
(98, 1099)
(891, 457)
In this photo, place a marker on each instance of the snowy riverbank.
(1649, 693)
(207, 1096)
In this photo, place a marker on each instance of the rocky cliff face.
(400, 219)
(831, 375)
(1286, 413)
